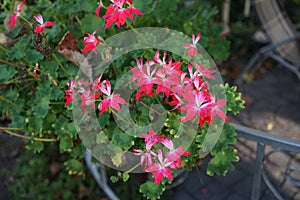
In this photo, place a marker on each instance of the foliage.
(43, 176)
(33, 89)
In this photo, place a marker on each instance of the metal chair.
(282, 35)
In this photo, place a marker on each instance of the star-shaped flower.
(40, 20)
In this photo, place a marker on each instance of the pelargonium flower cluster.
(184, 92)
(89, 92)
(187, 92)
(118, 12)
(160, 162)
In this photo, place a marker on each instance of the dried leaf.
(68, 48)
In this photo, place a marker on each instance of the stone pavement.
(272, 105)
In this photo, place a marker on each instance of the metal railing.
(264, 139)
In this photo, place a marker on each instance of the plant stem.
(158, 101)
(134, 167)
(134, 30)
(123, 119)
(10, 128)
(30, 24)
(6, 100)
(60, 64)
(8, 63)
(145, 105)
(5, 50)
(28, 138)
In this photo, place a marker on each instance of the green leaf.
(117, 159)
(219, 50)
(228, 136)
(78, 151)
(65, 145)
(17, 121)
(42, 100)
(103, 119)
(10, 94)
(144, 6)
(18, 51)
(56, 93)
(42, 106)
(87, 6)
(122, 140)
(101, 138)
(234, 99)
(151, 190)
(7, 72)
(114, 179)
(90, 23)
(125, 176)
(222, 162)
(165, 10)
(49, 67)
(73, 166)
(35, 146)
(172, 122)
(36, 125)
(33, 55)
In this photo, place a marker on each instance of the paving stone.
(235, 197)
(243, 187)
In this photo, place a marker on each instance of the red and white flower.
(151, 139)
(13, 19)
(192, 48)
(112, 100)
(160, 169)
(117, 13)
(40, 20)
(91, 42)
(34, 71)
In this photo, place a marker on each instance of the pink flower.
(113, 100)
(192, 48)
(176, 101)
(151, 138)
(117, 13)
(13, 19)
(178, 89)
(70, 92)
(91, 42)
(40, 20)
(97, 83)
(34, 71)
(88, 98)
(174, 154)
(198, 104)
(216, 109)
(195, 80)
(146, 157)
(160, 169)
(97, 12)
(204, 71)
(167, 75)
(145, 77)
